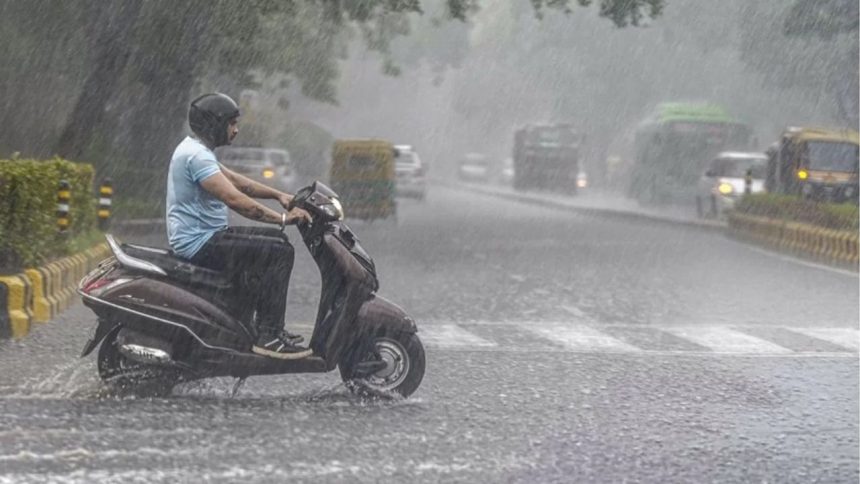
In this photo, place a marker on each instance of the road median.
(831, 246)
(39, 294)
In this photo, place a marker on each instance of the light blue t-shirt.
(193, 215)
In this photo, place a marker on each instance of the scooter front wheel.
(397, 363)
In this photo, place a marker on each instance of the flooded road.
(559, 347)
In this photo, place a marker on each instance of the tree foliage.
(110, 82)
(807, 43)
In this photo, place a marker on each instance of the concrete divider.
(839, 247)
(17, 294)
(39, 294)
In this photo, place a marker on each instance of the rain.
(532, 241)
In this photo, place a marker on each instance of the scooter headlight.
(338, 207)
(726, 188)
(334, 209)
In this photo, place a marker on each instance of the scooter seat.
(177, 268)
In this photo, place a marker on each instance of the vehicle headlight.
(802, 174)
(725, 188)
(267, 173)
(581, 183)
(335, 209)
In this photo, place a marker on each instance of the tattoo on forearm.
(247, 189)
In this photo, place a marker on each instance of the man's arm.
(221, 187)
(252, 188)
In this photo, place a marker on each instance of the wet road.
(559, 348)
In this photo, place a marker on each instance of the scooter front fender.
(379, 315)
(104, 328)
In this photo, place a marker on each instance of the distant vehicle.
(474, 167)
(507, 175)
(411, 173)
(816, 163)
(546, 157)
(269, 166)
(362, 171)
(675, 144)
(724, 181)
(581, 180)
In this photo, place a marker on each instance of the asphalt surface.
(560, 348)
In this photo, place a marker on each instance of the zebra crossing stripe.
(581, 338)
(451, 335)
(724, 340)
(844, 337)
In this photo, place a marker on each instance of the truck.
(546, 157)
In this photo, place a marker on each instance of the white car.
(474, 167)
(269, 166)
(411, 173)
(507, 175)
(724, 181)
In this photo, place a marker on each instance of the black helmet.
(209, 116)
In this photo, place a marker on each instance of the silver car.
(269, 166)
(411, 173)
(724, 181)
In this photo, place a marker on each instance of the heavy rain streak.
(426, 241)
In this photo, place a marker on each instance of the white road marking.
(450, 335)
(845, 337)
(561, 336)
(724, 340)
(580, 338)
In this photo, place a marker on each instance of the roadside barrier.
(40, 293)
(64, 197)
(827, 245)
(17, 297)
(105, 201)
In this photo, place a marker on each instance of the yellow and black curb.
(839, 247)
(39, 294)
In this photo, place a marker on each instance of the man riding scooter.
(199, 192)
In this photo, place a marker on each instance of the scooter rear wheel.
(403, 355)
(126, 376)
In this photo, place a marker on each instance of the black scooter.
(162, 320)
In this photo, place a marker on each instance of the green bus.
(673, 146)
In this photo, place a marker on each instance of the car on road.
(724, 181)
(474, 167)
(507, 175)
(269, 166)
(411, 173)
(581, 180)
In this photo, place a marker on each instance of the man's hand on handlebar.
(298, 216)
(284, 199)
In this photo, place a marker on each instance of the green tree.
(129, 68)
(811, 44)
